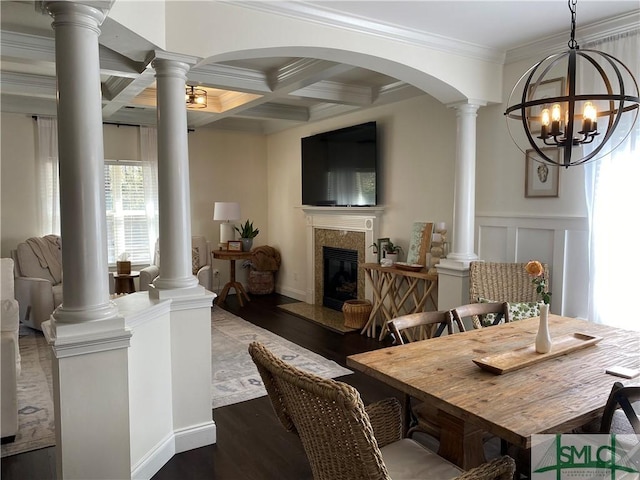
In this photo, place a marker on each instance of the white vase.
(543, 339)
(392, 257)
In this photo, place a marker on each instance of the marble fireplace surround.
(353, 228)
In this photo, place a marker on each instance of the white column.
(81, 152)
(462, 250)
(453, 271)
(173, 177)
(88, 338)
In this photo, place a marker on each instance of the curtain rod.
(35, 117)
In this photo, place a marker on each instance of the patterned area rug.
(234, 376)
(36, 428)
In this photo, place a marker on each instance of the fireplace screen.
(340, 274)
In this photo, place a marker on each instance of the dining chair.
(344, 439)
(504, 282)
(421, 417)
(421, 325)
(482, 314)
(613, 420)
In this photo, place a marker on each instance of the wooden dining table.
(552, 394)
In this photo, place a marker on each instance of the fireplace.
(340, 276)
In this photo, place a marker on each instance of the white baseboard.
(179, 441)
(195, 436)
(155, 459)
(293, 293)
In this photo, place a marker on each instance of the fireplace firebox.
(340, 274)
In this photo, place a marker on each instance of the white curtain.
(613, 196)
(149, 157)
(47, 183)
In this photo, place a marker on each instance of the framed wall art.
(541, 178)
(547, 89)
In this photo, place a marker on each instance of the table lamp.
(226, 212)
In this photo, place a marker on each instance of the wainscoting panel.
(561, 242)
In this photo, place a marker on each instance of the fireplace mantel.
(347, 219)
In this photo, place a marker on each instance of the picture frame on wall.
(541, 178)
(547, 89)
(234, 246)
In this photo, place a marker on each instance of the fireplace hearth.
(340, 276)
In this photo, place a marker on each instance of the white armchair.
(9, 352)
(38, 288)
(200, 258)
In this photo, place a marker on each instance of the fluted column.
(173, 177)
(465, 185)
(81, 153)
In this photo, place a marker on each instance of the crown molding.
(328, 17)
(593, 32)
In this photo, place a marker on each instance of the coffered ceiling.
(271, 94)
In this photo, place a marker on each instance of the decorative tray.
(414, 267)
(524, 356)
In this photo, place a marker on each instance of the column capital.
(87, 14)
(469, 107)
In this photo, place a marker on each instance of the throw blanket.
(46, 249)
(265, 259)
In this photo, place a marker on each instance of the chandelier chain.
(572, 7)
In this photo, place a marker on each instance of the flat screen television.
(339, 167)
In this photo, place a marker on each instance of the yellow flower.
(534, 268)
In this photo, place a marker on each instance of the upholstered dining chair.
(482, 314)
(613, 420)
(504, 282)
(421, 417)
(368, 444)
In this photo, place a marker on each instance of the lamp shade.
(226, 211)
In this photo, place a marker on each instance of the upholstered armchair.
(9, 351)
(38, 278)
(200, 263)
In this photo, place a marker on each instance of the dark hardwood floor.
(251, 443)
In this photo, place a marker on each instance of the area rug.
(235, 377)
(328, 318)
(36, 427)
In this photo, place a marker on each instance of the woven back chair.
(501, 282)
(342, 439)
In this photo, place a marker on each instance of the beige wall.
(417, 150)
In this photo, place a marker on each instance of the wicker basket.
(261, 283)
(356, 313)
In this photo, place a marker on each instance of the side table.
(232, 257)
(124, 282)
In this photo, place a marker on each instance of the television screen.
(339, 167)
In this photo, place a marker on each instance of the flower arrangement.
(536, 270)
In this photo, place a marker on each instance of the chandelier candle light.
(566, 118)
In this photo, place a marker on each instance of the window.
(127, 223)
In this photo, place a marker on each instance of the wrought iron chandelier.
(195, 97)
(558, 121)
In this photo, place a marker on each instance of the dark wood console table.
(397, 292)
(232, 257)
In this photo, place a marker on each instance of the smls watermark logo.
(607, 457)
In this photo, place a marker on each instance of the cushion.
(522, 310)
(517, 311)
(407, 459)
(30, 265)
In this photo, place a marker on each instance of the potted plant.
(389, 250)
(247, 234)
